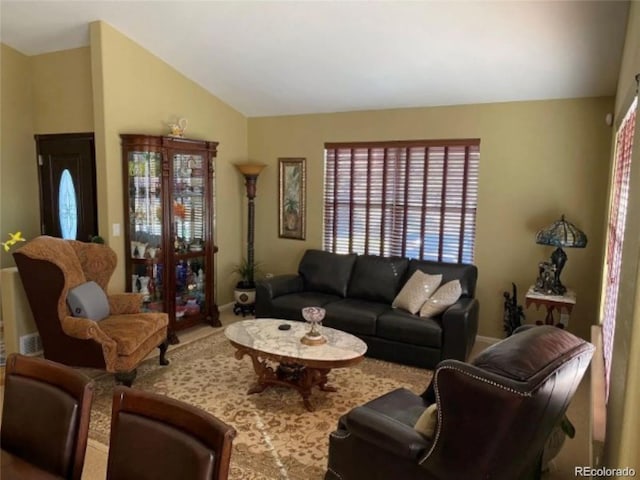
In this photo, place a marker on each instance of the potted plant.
(245, 291)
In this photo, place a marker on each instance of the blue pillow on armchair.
(88, 300)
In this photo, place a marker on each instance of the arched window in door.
(67, 207)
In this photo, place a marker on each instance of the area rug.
(277, 437)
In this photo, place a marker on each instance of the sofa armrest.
(386, 433)
(85, 329)
(459, 329)
(279, 285)
(270, 288)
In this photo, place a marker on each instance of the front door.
(67, 174)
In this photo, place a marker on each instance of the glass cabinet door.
(169, 221)
(145, 227)
(188, 233)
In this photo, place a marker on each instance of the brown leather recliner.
(49, 267)
(45, 420)
(180, 441)
(493, 415)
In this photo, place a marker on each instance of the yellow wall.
(538, 160)
(48, 93)
(19, 204)
(622, 443)
(62, 96)
(136, 92)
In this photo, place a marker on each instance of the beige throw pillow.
(426, 424)
(443, 298)
(416, 291)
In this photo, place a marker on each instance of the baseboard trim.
(226, 306)
(490, 340)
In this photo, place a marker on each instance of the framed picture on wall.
(292, 178)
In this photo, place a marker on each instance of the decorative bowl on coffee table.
(313, 316)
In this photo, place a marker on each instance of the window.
(615, 232)
(67, 207)
(416, 198)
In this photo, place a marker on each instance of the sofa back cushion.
(326, 272)
(377, 279)
(465, 272)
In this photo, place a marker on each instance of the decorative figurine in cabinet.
(169, 215)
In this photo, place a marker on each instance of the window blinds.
(416, 199)
(615, 232)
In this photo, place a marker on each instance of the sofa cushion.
(290, 306)
(353, 315)
(400, 404)
(466, 273)
(443, 298)
(416, 291)
(406, 328)
(377, 278)
(326, 272)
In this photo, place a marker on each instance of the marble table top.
(263, 335)
(568, 297)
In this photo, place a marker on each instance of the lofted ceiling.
(297, 57)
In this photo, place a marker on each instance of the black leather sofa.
(357, 292)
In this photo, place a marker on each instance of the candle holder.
(313, 316)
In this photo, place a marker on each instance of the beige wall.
(48, 93)
(622, 443)
(538, 160)
(136, 92)
(19, 204)
(62, 96)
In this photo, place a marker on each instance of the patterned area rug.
(277, 437)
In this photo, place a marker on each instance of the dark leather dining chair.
(45, 420)
(154, 437)
(493, 418)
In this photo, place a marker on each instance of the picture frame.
(292, 198)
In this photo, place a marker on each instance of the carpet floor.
(277, 437)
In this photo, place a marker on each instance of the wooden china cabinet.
(169, 222)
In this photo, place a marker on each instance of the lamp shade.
(562, 234)
(250, 169)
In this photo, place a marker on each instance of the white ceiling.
(278, 58)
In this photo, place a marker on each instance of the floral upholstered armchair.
(52, 268)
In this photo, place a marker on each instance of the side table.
(551, 303)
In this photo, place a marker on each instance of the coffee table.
(297, 365)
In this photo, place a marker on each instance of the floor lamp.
(245, 299)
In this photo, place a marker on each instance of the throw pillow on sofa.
(443, 298)
(416, 291)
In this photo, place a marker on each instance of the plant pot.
(245, 293)
(291, 221)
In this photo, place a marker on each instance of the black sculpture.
(513, 313)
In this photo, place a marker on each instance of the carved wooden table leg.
(292, 375)
(265, 373)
